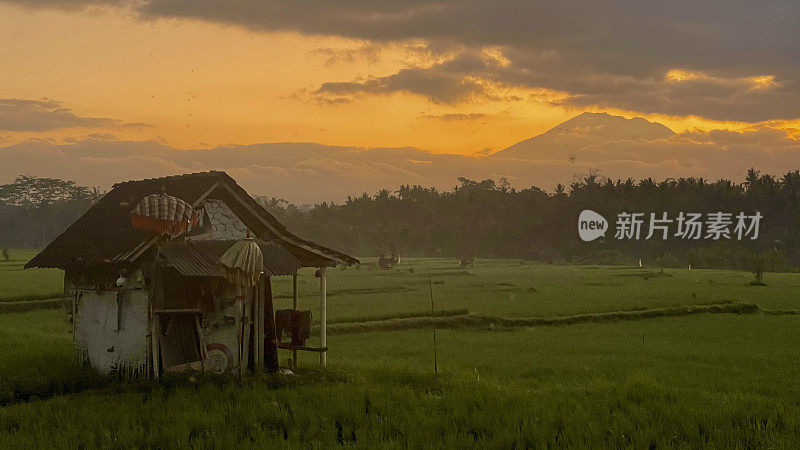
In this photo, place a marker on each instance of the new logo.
(591, 225)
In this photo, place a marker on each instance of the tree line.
(491, 218)
(34, 210)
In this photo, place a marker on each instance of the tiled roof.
(105, 232)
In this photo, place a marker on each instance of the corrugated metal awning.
(200, 258)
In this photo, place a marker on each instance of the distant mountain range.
(309, 172)
(586, 129)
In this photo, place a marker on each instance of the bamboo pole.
(323, 316)
(294, 308)
(155, 301)
(433, 316)
(202, 343)
(247, 321)
(258, 339)
(240, 298)
(154, 331)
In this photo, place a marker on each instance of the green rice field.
(17, 284)
(705, 380)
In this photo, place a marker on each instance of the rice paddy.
(705, 380)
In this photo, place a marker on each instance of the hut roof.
(200, 258)
(104, 234)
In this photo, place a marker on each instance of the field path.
(479, 321)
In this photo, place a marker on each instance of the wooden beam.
(145, 245)
(323, 316)
(205, 194)
(275, 231)
(289, 346)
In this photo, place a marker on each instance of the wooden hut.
(149, 295)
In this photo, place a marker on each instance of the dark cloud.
(605, 54)
(438, 86)
(370, 53)
(44, 115)
(739, 99)
(463, 79)
(600, 53)
(471, 76)
(68, 5)
(103, 136)
(609, 35)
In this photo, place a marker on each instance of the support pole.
(270, 341)
(258, 321)
(247, 321)
(155, 330)
(323, 316)
(294, 308)
(294, 291)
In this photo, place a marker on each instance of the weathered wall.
(111, 330)
(222, 328)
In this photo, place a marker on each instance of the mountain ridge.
(583, 130)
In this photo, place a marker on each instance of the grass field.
(717, 380)
(512, 288)
(17, 284)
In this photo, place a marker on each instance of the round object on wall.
(220, 357)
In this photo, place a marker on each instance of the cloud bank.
(46, 115)
(308, 172)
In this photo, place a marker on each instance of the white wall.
(109, 335)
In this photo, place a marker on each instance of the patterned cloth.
(243, 263)
(165, 214)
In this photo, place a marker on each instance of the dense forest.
(492, 219)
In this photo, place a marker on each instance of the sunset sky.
(467, 77)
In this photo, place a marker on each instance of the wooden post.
(294, 291)
(258, 320)
(74, 313)
(294, 308)
(270, 340)
(154, 332)
(156, 301)
(201, 341)
(247, 319)
(323, 316)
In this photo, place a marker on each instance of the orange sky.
(200, 85)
